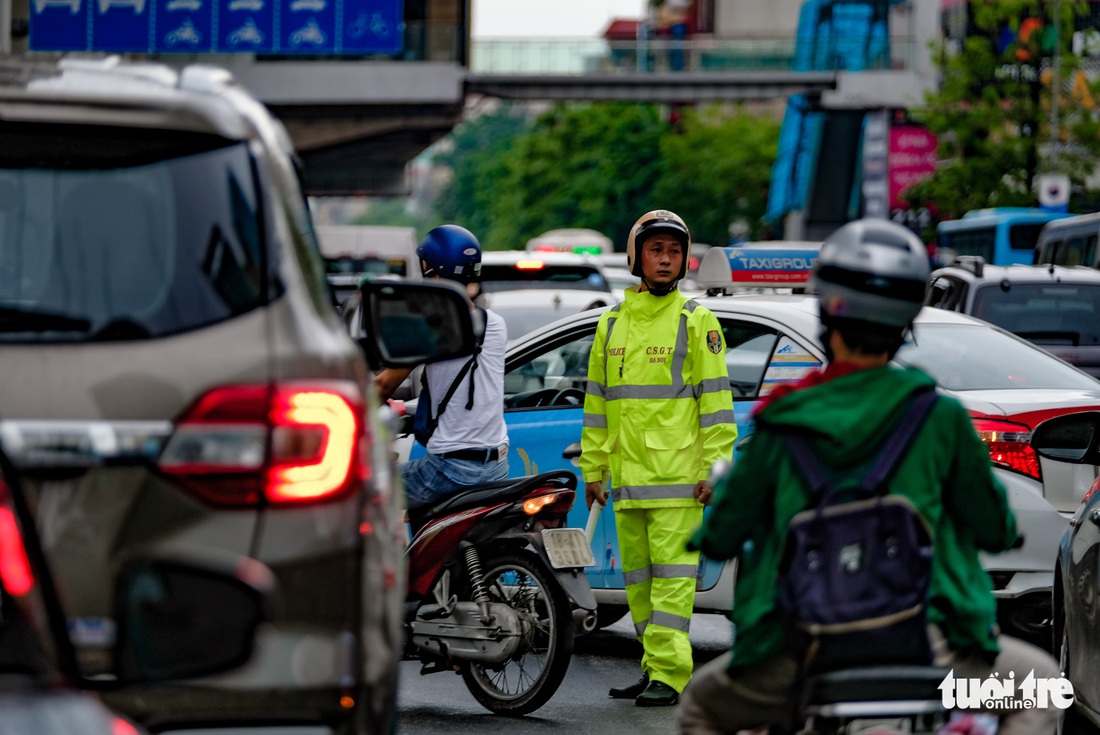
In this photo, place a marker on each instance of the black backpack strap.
(477, 351)
(899, 440)
(469, 367)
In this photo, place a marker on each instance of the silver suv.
(1054, 307)
(177, 380)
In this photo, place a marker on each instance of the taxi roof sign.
(775, 264)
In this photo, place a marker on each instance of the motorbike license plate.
(567, 547)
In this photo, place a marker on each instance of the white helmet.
(659, 220)
(874, 271)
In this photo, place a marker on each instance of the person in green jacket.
(870, 279)
(658, 413)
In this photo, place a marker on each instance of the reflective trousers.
(660, 586)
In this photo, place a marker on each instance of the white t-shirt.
(482, 427)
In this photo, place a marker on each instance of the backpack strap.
(898, 441)
(469, 367)
(810, 466)
(892, 450)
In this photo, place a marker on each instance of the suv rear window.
(110, 233)
(1044, 313)
(547, 275)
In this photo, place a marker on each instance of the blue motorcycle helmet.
(451, 252)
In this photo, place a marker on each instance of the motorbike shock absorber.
(477, 582)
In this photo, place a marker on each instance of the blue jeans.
(432, 478)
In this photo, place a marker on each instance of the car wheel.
(1073, 722)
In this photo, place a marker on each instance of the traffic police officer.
(657, 414)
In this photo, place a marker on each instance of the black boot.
(657, 694)
(630, 691)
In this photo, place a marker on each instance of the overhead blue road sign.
(317, 27)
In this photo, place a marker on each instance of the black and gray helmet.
(874, 271)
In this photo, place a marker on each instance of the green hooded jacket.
(945, 473)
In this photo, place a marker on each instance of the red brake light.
(530, 265)
(287, 443)
(15, 570)
(1009, 445)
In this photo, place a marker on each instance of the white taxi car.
(532, 289)
(1008, 385)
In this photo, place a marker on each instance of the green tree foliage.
(602, 165)
(478, 155)
(588, 165)
(992, 111)
(717, 171)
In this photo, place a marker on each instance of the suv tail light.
(1009, 445)
(289, 443)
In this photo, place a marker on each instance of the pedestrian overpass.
(357, 125)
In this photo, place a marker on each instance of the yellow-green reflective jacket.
(658, 410)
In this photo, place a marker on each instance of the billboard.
(320, 27)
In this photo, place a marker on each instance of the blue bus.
(1001, 235)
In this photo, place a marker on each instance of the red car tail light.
(244, 445)
(1009, 445)
(15, 569)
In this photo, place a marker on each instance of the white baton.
(593, 518)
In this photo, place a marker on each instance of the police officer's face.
(662, 258)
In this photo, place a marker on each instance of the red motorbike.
(497, 590)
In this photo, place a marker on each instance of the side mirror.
(1073, 438)
(404, 324)
(177, 620)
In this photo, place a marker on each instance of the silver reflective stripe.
(707, 420)
(680, 352)
(607, 340)
(595, 388)
(79, 443)
(711, 385)
(652, 492)
(639, 628)
(691, 305)
(668, 620)
(660, 571)
(674, 571)
(596, 421)
(648, 392)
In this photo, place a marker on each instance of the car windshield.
(973, 357)
(496, 277)
(110, 233)
(1045, 313)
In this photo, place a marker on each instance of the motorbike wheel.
(526, 681)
